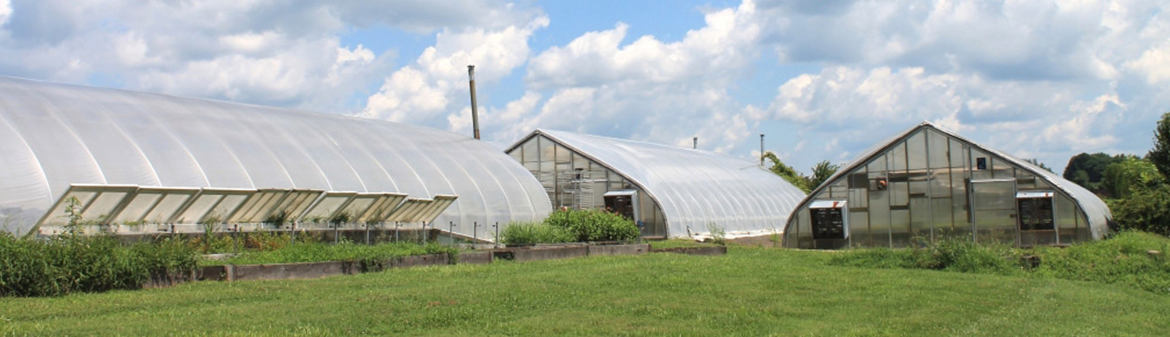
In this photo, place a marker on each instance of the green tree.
(1160, 154)
(821, 172)
(787, 172)
(1087, 169)
(1122, 179)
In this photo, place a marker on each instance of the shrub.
(964, 255)
(594, 225)
(1147, 209)
(533, 233)
(74, 263)
(951, 254)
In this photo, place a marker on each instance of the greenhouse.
(928, 183)
(139, 162)
(672, 191)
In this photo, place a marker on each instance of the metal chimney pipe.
(696, 141)
(474, 108)
(761, 149)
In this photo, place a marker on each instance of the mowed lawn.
(748, 292)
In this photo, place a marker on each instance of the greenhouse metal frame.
(682, 192)
(928, 183)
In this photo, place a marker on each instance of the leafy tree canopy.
(821, 172)
(1087, 169)
(1121, 179)
(1160, 154)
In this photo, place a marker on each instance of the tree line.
(1135, 187)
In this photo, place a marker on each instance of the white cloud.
(5, 11)
(850, 97)
(648, 89)
(1154, 63)
(997, 39)
(1046, 78)
(860, 108)
(420, 93)
(726, 43)
(275, 53)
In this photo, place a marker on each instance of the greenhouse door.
(1037, 218)
(993, 211)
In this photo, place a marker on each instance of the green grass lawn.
(748, 292)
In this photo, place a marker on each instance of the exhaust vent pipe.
(474, 107)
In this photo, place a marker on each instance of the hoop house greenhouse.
(674, 192)
(927, 183)
(136, 160)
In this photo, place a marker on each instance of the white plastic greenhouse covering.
(694, 188)
(169, 151)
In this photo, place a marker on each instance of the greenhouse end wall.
(573, 181)
(927, 185)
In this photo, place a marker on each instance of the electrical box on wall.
(829, 219)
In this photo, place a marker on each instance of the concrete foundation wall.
(716, 250)
(281, 271)
(619, 249)
(550, 253)
(475, 257)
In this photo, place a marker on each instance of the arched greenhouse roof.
(53, 136)
(695, 189)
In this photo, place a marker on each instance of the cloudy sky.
(823, 79)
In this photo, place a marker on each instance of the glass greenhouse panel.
(916, 155)
(1066, 219)
(939, 150)
(258, 206)
(167, 210)
(326, 209)
(140, 203)
(859, 233)
(382, 208)
(921, 227)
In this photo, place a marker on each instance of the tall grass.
(370, 255)
(76, 263)
(1134, 259)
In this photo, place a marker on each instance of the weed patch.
(1134, 259)
(76, 263)
(369, 256)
